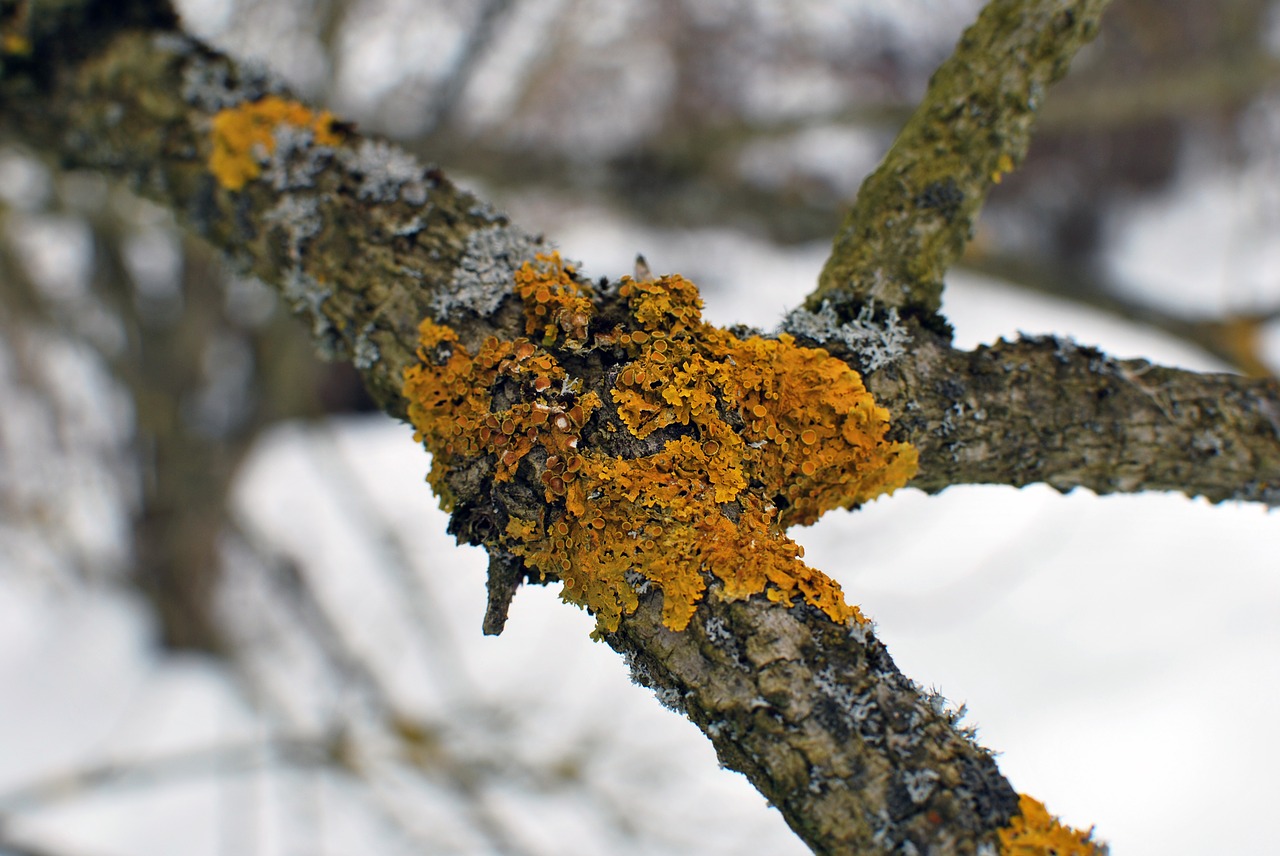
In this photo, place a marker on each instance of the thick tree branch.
(819, 718)
(915, 213)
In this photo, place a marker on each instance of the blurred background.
(231, 620)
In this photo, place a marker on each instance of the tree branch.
(1048, 410)
(915, 213)
(820, 720)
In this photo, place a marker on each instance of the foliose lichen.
(387, 173)
(1035, 832)
(213, 83)
(725, 443)
(296, 160)
(875, 343)
(482, 279)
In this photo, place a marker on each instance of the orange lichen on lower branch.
(1035, 832)
(244, 136)
(763, 434)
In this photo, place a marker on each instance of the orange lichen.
(244, 136)
(451, 406)
(1035, 832)
(554, 302)
(1004, 166)
(763, 434)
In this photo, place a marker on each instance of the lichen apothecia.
(745, 436)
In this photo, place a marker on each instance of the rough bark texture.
(364, 245)
(821, 721)
(1049, 410)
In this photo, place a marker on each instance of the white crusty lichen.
(365, 353)
(920, 784)
(300, 218)
(207, 81)
(297, 158)
(306, 295)
(386, 173)
(875, 343)
(484, 274)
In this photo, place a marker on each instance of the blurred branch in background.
(204, 357)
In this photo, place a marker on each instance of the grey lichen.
(174, 43)
(305, 295)
(876, 343)
(919, 784)
(672, 699)
(207, 83)
(386, 173)
(296, 160)
(719, 635)
(484, 274)
(365, 353)
(299, 217)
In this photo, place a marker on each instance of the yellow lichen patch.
(451, 405)
(668, 305)
(244, 136)
(818, 436)
(763, 434)
(554, 302)
(814, 436)
(1004, 166)
(1035, 832)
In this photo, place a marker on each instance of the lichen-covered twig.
(914, 214)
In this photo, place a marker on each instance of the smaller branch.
(1048, 410)
(915, 213)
